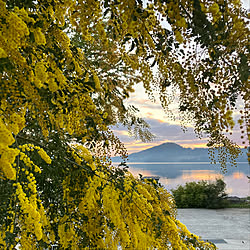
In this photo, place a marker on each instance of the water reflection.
(198, 175)
(174, 174)
(238, 175)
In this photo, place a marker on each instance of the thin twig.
(185, 10)
(29, 139)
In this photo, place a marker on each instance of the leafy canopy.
(66, 68)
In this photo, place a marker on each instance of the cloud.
(164, 132)
(164, 128)
(121, 132)
(171, 131)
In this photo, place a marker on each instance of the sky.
(164, 128)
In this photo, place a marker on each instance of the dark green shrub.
(201, 194)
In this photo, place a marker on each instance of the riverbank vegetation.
(202, 194)
(207, 194)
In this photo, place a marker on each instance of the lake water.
(173, 174)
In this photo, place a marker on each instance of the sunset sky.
(164, 128)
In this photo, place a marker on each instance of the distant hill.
(172, 152)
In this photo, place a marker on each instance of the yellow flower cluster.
(88, 203)
(53, 87)
(44, 156)
(214, 8)
(2, 238)
(7, 155)
(27, 161)
(178, 36)
(30, 219)
(3, 54)
(16, 122)
(97, 82)
(31, 214)
(16, 30)
(142, 190)
(112, 206)
(6, 136)
(105, 115)
(7, 160)
(85, 154)
(66, 233)
(179, 23)
(41, 74)
(39, 36)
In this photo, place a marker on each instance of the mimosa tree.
(66, 68)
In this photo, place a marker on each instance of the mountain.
(172, 152)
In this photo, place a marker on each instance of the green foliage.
(201, 195)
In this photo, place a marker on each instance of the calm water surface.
(173, 174)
